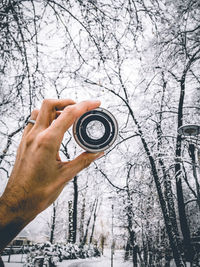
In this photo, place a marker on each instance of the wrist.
(12, 219)
(14, 207)
(9, 213)
(10, 224)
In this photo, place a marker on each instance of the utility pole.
(112, 245)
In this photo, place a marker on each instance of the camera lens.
(96, 130)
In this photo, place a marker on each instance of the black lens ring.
(84, 130)
(95, 145)
(86, 140)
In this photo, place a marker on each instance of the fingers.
(48, 111)
(78, 164)
(29, 126)
(69, 115)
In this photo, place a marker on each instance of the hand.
(39, 175)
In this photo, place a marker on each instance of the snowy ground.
(105, 261)
(15, 260)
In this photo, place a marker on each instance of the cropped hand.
(39, 175)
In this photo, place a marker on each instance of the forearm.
(11, 222)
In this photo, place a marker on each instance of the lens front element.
(96, 130)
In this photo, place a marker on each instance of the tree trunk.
(135, 253)
(87, 225)
(94, 221)
(102, 243)
(75, 209)
(168, 193)
(189, 253)
(70, 212)
(131, 233)
(127, 250)
(82, 221)
(193, 157)
(53, 224)
(145, 253)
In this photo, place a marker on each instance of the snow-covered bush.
(40, 254)
(52, 253)
(73, 251)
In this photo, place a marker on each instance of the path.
(104, 261)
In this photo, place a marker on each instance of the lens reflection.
(95, 130)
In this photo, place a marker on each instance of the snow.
(15, 261)
(99, 262)
(105, 261)
(13, 264)
(95, 263)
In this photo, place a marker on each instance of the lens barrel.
(95, 130)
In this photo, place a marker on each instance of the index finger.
(69, 115)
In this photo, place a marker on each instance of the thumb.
(78, 164)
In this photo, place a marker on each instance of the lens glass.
(95, 129)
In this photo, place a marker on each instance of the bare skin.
(39, 175)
